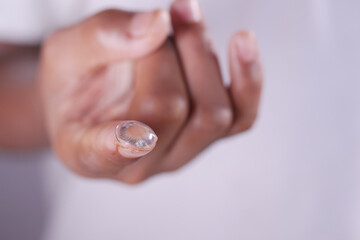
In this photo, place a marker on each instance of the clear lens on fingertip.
(135, 137)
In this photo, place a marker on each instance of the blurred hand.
(118, 66)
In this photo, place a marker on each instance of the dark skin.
(94, 74)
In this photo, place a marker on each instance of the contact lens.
(135, 138)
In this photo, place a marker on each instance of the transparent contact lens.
(135, 138)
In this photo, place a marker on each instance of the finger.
(246, 80)
(211, 114)
(112, 35)
(160, 101)
(103, 150)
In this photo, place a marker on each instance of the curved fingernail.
(134, 139)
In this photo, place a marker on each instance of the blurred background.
(295, 175)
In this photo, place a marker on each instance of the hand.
(111, 68)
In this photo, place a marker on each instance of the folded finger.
(211, 113)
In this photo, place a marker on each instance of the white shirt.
(295, 175)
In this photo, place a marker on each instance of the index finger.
(105, 149)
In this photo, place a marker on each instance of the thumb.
(112, 35)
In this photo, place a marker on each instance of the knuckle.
(169, 108)
(215, 121)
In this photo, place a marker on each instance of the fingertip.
(187, 11)
(244, 44)
(134, 139)
(161, 23)
(107, 147)
(244, 56)
(141, 23)
(155, 36)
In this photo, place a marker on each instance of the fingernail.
(135, 139)
(188, 10)
(142, 22)
(247, 47)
